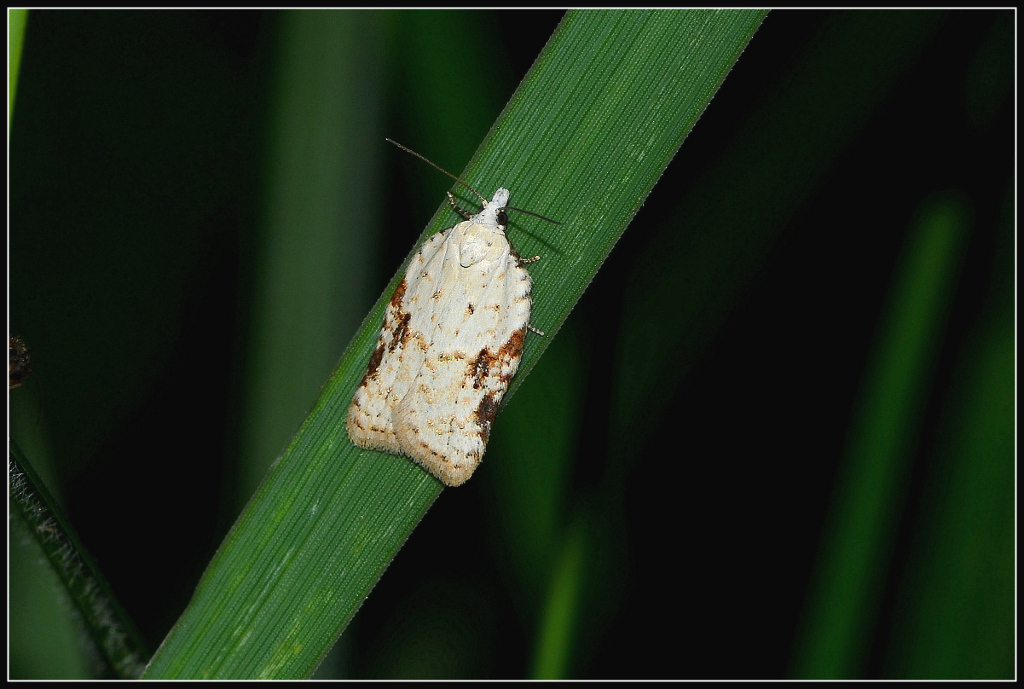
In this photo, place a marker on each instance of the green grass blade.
(583, 140)
(321, 192)
(16, 20)
(533, 451)
(959, 601)
(956, 617)
(847, 588)
(552, 655)
(697, 266)
(115, 640)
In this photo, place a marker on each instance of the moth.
(451, 341)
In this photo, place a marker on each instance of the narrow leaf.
(583, 140)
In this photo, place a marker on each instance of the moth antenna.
(438, 167)
(536, 215)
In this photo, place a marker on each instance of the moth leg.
(533, 259)
(465, 214)
(532, 329)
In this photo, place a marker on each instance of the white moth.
(452, 339)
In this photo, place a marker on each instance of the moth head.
(497, 206)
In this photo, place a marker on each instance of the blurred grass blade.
(849, 581)
(533, 451)
(698, 265)
(321, 193)
(112, 632)
(583, 140)
(551, 657)
(959, 599)
(956, 617)
(16, 21)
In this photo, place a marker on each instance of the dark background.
(140, 158)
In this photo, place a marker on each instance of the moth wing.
(395, 360)
(473, 341)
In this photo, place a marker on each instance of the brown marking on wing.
(400, 331)
(481, 368)
(378, 354)
(399, 295)
(513, 349)
(485, 413)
